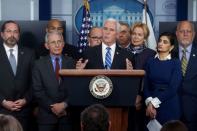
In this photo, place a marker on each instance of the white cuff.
(156, 102)
(149, 99)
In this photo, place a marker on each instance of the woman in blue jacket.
(162, 81)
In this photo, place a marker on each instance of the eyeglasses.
(96, 38)
(185, 31)
(59, 42)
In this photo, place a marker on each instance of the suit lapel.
(4, 60)
(100, 57)
(64, 65)
(116, 58)
(191, 67)
(21, 55)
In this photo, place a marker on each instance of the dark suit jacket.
(142, 57)
(47, 89)
(95, 60)
(16, 87)
(188, 91)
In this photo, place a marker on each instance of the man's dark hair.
(124, 23)
(7, 22)
(174, 125)
(170, 36)
(95, 118)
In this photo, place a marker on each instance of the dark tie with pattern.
(57, 68)
(184, 62)
(108, 58)
(12, 61)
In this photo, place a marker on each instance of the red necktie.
(57, 68)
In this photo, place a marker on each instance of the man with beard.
(15, 78)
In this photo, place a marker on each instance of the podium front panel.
(125, 89)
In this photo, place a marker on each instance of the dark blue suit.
(162, 80)
(188, 91)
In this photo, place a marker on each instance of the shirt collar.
(113, 46)
(189, 48)
(7, 49)
(54, 56)
(168, 57)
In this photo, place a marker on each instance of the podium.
(125, 84)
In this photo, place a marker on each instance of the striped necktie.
(184, 61)
(108, 58)
(12, 61)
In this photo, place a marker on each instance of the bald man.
(185, 33)
(58, 26)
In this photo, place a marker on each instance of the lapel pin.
(22, 52)
(117, 53)
(193, 55)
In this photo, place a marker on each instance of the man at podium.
(108, 55)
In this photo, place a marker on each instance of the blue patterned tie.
(108, 58)
(12, 60)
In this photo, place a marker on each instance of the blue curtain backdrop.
(44, 9)
(182, 10)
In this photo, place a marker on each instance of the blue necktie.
(108, 58)
(12, 60)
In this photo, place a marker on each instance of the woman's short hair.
(143, 26)
(174, 125)
(9, 123)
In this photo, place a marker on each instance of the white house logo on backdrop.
(128, 11)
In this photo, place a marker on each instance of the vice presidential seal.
(100, 86)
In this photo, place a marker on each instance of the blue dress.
(162, 80)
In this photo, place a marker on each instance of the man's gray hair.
(191, 24)
(52, 33)
(114, 20)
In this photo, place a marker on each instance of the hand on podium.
(129, 65)
(80, 64)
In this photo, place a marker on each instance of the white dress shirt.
(104, 51)
(15, 51)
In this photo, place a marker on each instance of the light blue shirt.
(53, 61)
(189, 49)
